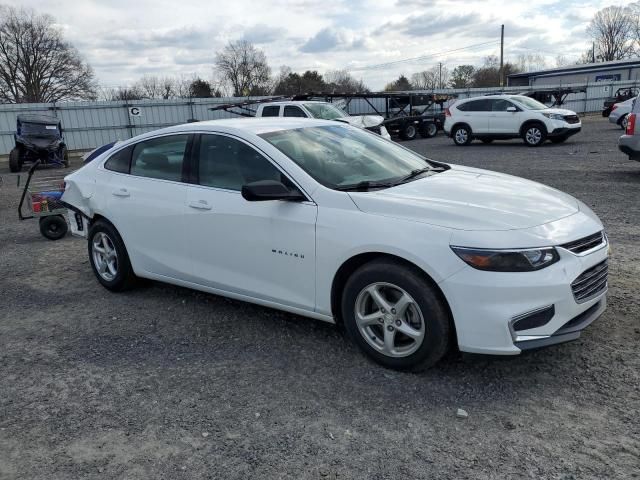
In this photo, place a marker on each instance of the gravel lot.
(163, 382)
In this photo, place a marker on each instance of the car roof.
(254, 126)
(39, 119)
(294, 102)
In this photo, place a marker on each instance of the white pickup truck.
(322, 110)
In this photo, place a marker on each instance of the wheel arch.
(350, 265)
(531, 122)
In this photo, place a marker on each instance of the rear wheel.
(429, 130)
(395, 316)
(109, 258)
(461, 135)
(409, 131)
(53, 227)
(534, 134)
(624, 121)
(15, 163)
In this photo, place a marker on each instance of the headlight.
(507, 260)
(554, 116)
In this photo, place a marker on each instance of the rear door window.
(293, 111)
(483, 105)
(160, 158)
(500, 105)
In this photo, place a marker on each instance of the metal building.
(616, 71)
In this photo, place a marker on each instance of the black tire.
(559, 139)
(53, 227)
(124, 278)
(623, 121)
(409, 131)
(15, 163)
(429, 130)
(435, 317)
(534, 134)
(461, 135)
(487, 140)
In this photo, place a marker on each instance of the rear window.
(483, 105)
(271, 111)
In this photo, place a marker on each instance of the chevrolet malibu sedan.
(328, 221)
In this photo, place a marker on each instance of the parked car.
(620, 111)
(621, 95)
(328, 221)
(38, 137)
(629, 142)
(498, 117)
(306, 109)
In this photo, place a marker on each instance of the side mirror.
(265, 190)
(512, 109)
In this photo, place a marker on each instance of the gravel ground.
(163, 382)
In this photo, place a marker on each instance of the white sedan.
(332, 222)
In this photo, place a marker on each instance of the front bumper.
(564, 131)
(485, 304)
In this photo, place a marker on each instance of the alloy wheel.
(105, 256)
(533, 135)
(461, 135)
(389, 319)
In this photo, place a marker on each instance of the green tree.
(401, 84)
(462, 76)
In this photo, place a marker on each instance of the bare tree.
(36, 63)
(561, 61)
(341, 81)
(156, 87)
(612, 30)
(531, 62)
(243, 67)
(435, 77)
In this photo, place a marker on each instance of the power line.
(421, 57)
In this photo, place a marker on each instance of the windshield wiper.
(414, 174)
(363, 186)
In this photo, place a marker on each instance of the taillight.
(447, 112)
(631, 124)
(614, 107)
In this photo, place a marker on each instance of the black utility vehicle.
(38, 137)
(621, 95)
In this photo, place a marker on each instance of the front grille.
(591, 282)
(586, 243)
(571, 119)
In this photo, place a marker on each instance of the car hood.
(363, 121)
(561, 111)
(470, 199)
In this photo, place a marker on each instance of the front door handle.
(200, 204)
(121, 192)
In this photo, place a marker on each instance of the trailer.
(405, 114)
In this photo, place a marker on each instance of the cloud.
(261, 33)
(329, 39)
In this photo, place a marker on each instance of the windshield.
(340, 156)
(324, 111)
(39, 129)
(529, 103)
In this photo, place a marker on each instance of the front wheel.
(109, 258)
(461, 135)
(15, 164)
(395, 316)
(534, 135)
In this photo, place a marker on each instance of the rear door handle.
(121, 192)
(200, 204)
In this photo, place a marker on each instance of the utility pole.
(502, 56)
(593, 52)
(440, 75)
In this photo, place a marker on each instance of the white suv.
(508, 116)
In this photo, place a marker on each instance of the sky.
(125, 39)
